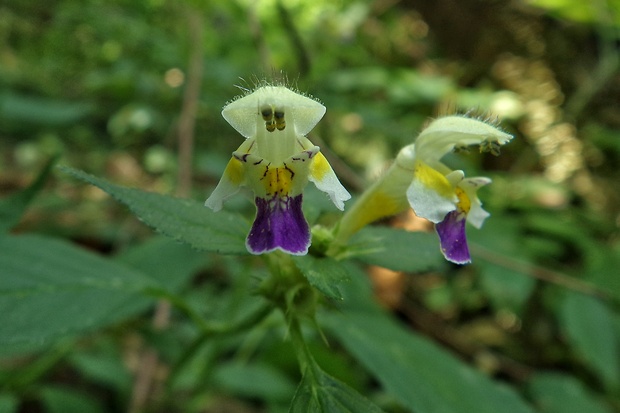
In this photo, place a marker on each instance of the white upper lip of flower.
(243, 114)
(444, 134)
(275, 117)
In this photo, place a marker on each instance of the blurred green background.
(117, 87)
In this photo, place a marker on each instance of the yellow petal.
(232, 179)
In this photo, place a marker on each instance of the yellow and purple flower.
(418, 179)
(275, 162)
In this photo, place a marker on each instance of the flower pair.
(276, 161)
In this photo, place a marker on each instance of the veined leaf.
(182, 219)
(162, 259)
(254, 380)
(506, 287)
(557, 393)
(424, 377)
(396, 249)
(323, 273)
(589, 325)
(13, 206)
(50, 289)
(421, 375)
(319, 392)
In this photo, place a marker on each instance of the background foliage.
(113, 88)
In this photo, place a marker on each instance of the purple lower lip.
(279, 224)
(451, 233)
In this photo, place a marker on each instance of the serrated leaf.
(13, 206)
(182, 219)
(326, 274)
(396, 249)
(589, 325)
(557, 393)
(422, 376)
(319, 392)
(50, 289)
(170, 263)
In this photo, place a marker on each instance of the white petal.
(224, 190)
(228, 186)
(428, 203)
(476, 215)
(431, 194)
(455, 177)
(325, 179)
(475, 182)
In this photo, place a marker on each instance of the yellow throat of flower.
(431, 178)
(464, 204)
(278, 181)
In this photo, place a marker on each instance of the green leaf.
(580, 11)
(8, 403)
(254, 380)
(557, 393)
(397, 249)
(326, 274)
(505, 287)
(64, 400)
(590, 328)
(103, 368)
(13, 206)
(422, 376)
(602, 272)
(319, 392)
(162, 259)
(29, 111)
(184, 220)
(50, 289)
